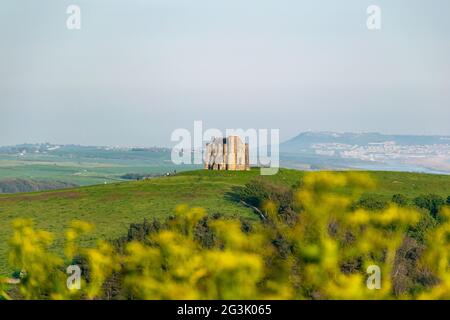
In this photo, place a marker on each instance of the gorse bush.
(372, 203)
(260, 191)
(323, 254)
(400, 200)
(431, 202)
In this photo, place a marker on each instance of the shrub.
(430, 202)
(408, 275)
(372, 203)
(260, 191)
(400, 200)
(425, 225)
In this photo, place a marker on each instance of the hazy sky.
(139, 69)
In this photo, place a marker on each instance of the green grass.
(82, 174)
(113, 207)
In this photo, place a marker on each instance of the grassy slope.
(113, 207)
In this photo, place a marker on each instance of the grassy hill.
(112, 207)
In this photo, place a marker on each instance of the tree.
(430, 202)
(371, 202)
(400, 200)
(258, 192)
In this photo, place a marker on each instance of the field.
(112, 207)
(82, 165)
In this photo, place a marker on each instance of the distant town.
(408, 153)
(382, 151)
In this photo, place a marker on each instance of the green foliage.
(372, 202)
(431, 202)
(259, 191)
(29, 185)
(141, 176)
(423, 227)
(400, 200)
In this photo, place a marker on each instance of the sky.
(139, 69)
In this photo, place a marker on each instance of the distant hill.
(23, 185)
(369, 151)
(307, 139)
